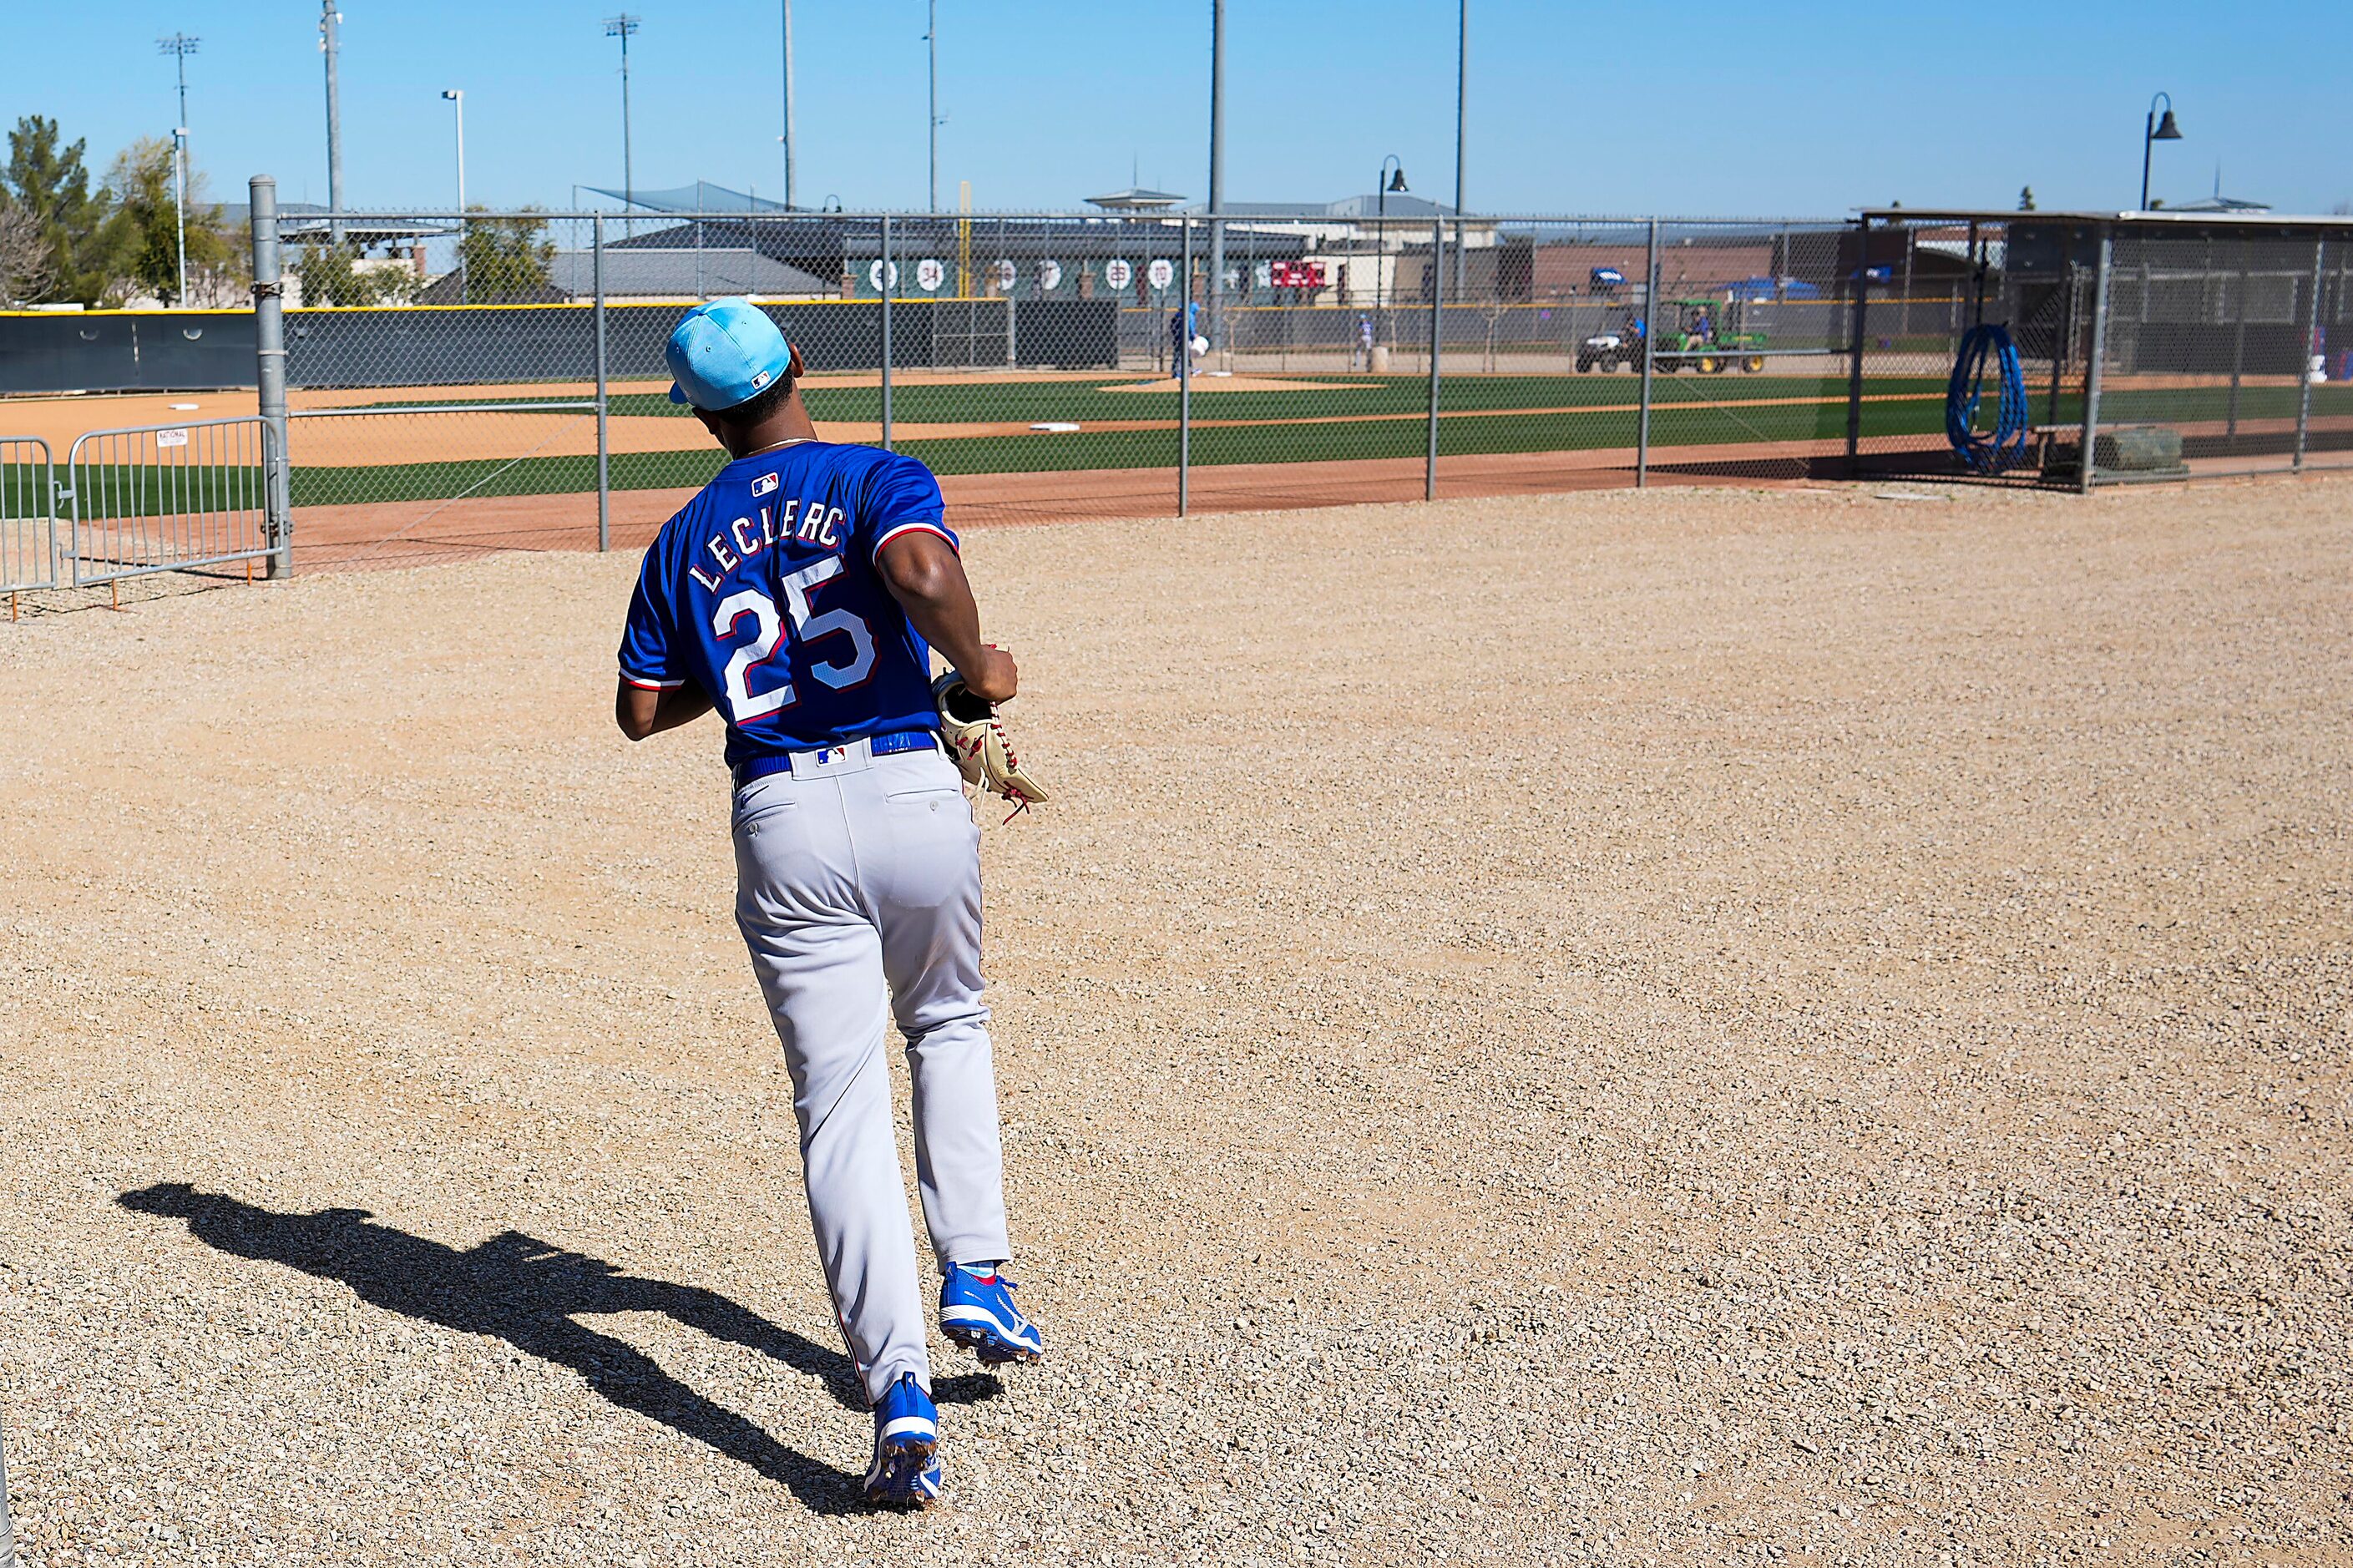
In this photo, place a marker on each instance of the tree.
(28, 266)
(137, 249)
(2026, 198)
(51, 184)
(332, 275)
(505, 260)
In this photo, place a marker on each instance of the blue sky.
(1704, 108)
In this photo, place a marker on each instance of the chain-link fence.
(456, 384)
(2175, 346)
(2214, 356)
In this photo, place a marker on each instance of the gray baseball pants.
(855, 872)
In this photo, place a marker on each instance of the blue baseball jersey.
(763, 592)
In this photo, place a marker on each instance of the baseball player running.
(800, 594)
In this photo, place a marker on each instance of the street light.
(457, 95)
(2154, 130)
(1383, 184)
(180, 203)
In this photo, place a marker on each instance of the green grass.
(1085, 402)
(1689, 411)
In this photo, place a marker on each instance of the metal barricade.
(28, 521)
(169, 498)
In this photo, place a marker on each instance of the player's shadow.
(532, 1295)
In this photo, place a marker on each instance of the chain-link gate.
(2214, 356)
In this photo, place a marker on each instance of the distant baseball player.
(800, 594)
(1186, 343)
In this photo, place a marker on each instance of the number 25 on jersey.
(744, 704)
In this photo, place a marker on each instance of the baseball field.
(424, 477)
(1681, 1027)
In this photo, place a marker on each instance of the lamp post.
(180, 45)
(457, 95)
(2154, 130)
(1383, 184)
(180, 203)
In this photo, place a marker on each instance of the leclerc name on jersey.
(746, 536)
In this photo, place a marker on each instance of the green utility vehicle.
(1711, 338)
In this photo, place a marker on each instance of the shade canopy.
(701, 196)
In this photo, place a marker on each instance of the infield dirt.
(1685, 1028)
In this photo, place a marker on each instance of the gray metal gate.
(169, 498)
(28, 521)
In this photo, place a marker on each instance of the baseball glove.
(977, 742)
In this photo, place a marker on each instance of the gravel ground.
(1688, 1027)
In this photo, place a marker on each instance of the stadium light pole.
(180, 45)
(2154, 130)
(789, 105)
(1462, 104)
(331, 45)
(620, 27)
(1217, 174)
(931, 38)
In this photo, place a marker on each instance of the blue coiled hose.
(2007, 445)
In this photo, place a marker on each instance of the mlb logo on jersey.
(765, 485)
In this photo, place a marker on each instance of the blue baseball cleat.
(906, 1468)
(977, 1311)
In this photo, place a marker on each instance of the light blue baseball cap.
(724, 353)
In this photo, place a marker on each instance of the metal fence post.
(2063, 345)
(270, 361)
(1182, 341)
(604, 444)
(1437, 291)
(2092, 372)
(7, 1527)
(883, 285)
(2238, 348)
(1650, 337)
(1855, 335)
(2311, 347)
